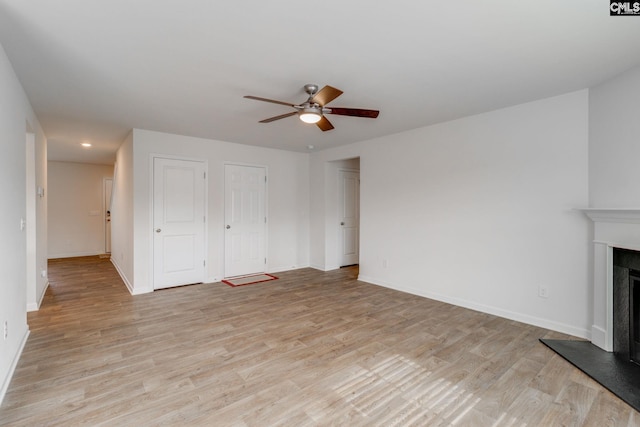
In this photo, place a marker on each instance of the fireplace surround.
(613, 229)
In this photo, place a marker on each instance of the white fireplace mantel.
(625, 215)
(613, 228)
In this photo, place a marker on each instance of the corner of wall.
(35, 306)
(12, 368)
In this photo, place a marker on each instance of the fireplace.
(614, 229)
(626, 306)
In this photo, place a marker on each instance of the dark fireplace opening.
(626, 304)
(634, 314)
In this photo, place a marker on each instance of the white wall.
(614, 148)
(122, 212)
(480, 211)
(287, 200)
(76, 208)
(16, 119)
(37, 269)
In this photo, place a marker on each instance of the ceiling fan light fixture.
(310, 115)
(314, 109)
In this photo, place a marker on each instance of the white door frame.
(205, 162)
(266, 213)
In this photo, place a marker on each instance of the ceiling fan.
(313, 110)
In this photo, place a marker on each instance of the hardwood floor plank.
(309, 349)
(609, 412)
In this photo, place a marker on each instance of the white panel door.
(245, 220)
(349, 202)
(178, 222)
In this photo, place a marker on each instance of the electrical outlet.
(384, 263)
(543, 291)
(6, 329)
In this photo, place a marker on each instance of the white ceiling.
(95, 69)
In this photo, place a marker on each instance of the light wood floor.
(311, 348)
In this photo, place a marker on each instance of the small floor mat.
(249, 280)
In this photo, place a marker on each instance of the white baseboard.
(73, 254)
(282, 269)
(35, 306)
(142, 291)
(323, 268)
(12, 368)
(599, 337)
(122, 276)
(518, 317)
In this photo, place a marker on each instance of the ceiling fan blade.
(273, 101)
(281, 116)
(324, 124)
(355, 112)
(326, 95)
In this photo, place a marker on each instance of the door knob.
(158, 230)
(228, 227)
(342, 223)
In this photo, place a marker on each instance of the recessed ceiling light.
(310, 147)
(86, 144)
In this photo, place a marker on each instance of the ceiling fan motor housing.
(311, 89)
